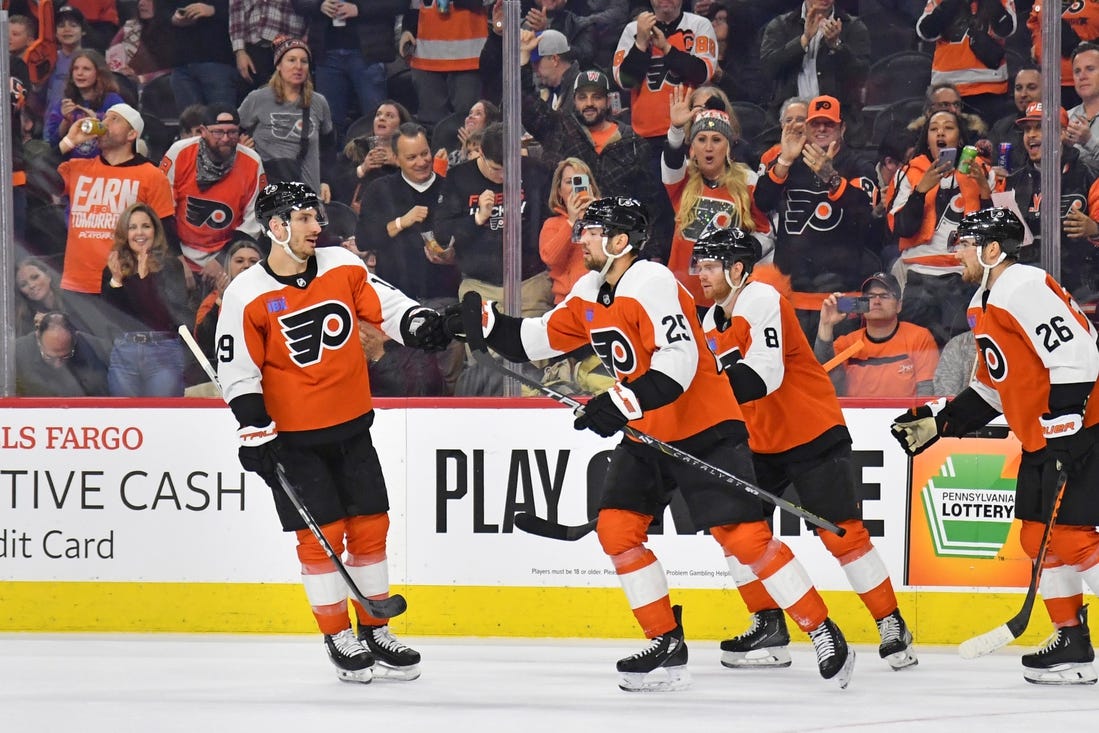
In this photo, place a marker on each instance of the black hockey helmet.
(617, 215)
(728, 246)
(279, 199)
(987, 225)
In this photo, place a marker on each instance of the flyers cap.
(824, 107)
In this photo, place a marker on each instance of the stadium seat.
(445, 134)
(157, 99)
(753, 119)
(903, 75)
(893, 120)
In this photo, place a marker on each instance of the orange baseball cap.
(824, 107)
(1034, 114)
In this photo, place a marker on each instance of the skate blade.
(386, 673)
(360, 676)
(770, 658)
(1062, 674)
(843, 676)
(902, 660)
(661, 679)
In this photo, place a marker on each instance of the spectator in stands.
(373, 154)
(818, 50)
(1079, 22)
(290, 122)
(22, 30)
(400, 371)
(707, 189)
(547, 15)
(90, 92)
(57, 360)
(69, 30)
(656, 53)
(18, 91)
(740, 149)
(1028, 88)
(607, 18)
(894, 358)
(1079, 206)
(1083, 128)
(190, 121)
(443, 47)
(400, 223)
(562, 256)
(37, 293)
(482, 114)
(739, 73)
(101, 21)
(894, 24)
(215, 181)
(956, 365)
(945, 95)
(969, 49)
(144, 286)
(820, 194)
(205, 71)
(239, 256)
(926, 202)
(144, 48)
(472, 212)
(555, 67)
(98, 191)
(352, 42)
(253, 27)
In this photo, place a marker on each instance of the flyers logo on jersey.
(614, 350)
(810, 209)
(309, 332)
(208, 213)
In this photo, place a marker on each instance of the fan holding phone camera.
(896, 359)
(572, 189)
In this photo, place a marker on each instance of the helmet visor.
(704, 261)
(583, 224)
(960, 240)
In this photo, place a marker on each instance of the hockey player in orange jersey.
(292, 369)
(774, 374)
(643, 326)
(1037, 363)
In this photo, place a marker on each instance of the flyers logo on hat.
(821, 105)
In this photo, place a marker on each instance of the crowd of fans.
(146, 128)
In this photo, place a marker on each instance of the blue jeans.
(146, 364)
(342, 71)
(204, 83)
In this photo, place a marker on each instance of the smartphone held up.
(848, 304)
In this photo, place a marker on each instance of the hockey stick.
(1003, 635)
(533, 524)
(477, 346)
(395, 605)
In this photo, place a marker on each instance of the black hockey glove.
(918, 429)
(260, 451)
(425, 329)
(452, 322)
(607, 413)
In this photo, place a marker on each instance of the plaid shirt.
(254, 21)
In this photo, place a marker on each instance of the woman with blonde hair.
(707, 187)
(290, 122)
(145, 288)
(565, 259)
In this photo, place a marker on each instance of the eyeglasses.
(218, 134)
(879, 296)
(56, 361)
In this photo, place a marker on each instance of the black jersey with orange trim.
(764, 334)
(295, 340)
(647, 321)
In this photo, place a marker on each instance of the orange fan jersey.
(890, 368)
(289, 337)
(1030, 335)
(800, 404)
(647, 322)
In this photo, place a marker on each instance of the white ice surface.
(269, 684)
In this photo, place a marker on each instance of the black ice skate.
(660, 666)
(896, 641)
(834, 658)
(396, 661)
(764, 644)
(1065, 659)
(353, 662)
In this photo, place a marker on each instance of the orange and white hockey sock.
(622, 534)
(366, 562)
(1061, 585)
(755, 596)
(324, 587)
(863, 566)
(774, 564)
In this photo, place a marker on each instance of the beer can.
(92, 126)
(1003, 156)
(965, 158)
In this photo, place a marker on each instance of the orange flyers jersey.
(647, 322)
(449, 41)
(207, 217)
(765, 335)
(98, 194)
(890, 368)
(297, 342)
(1080, 15)
(1030, 335)
(650, 101)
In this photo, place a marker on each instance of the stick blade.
(395, 605)
(986, 643)
(535, 525)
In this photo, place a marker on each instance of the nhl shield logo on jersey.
(309, 332)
